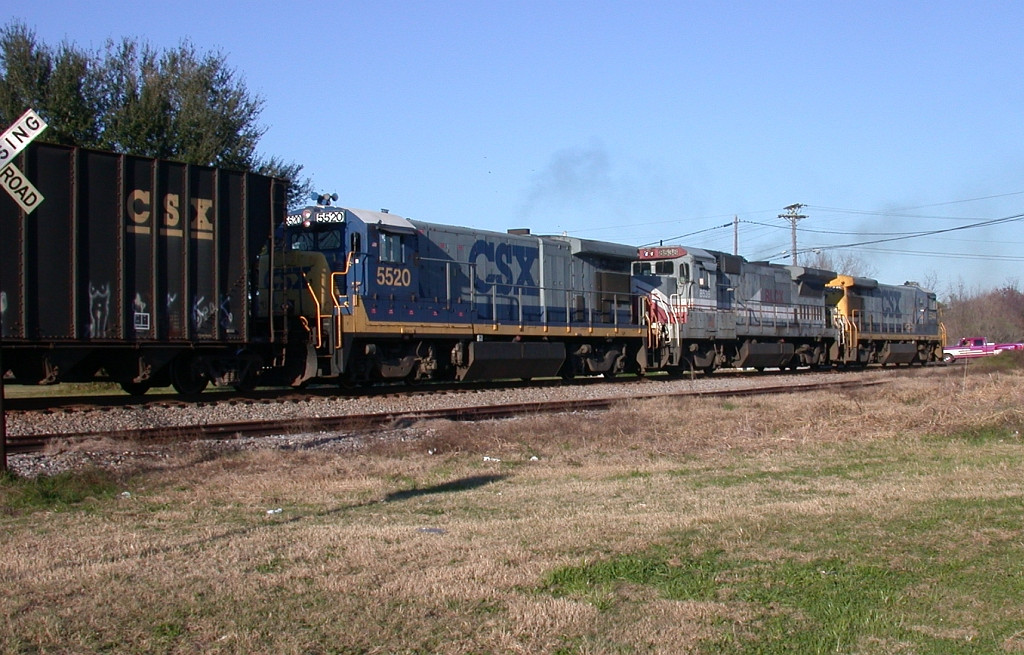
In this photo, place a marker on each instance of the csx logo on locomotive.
(515, 268)
(891, 303)
(140, 211)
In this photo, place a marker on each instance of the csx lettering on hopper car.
(357, 296)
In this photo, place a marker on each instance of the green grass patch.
(986, 434)
(943, 576)
(674, 578)
(65, 491)
(632, 475)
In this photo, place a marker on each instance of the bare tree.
(997, 314)
(842, 262)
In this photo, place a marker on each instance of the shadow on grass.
(463, 484)
(271, 522)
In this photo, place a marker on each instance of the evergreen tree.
(177, 104)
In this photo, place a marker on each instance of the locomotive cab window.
(316, 240)
(641, 268)
(684, 272)
(330, 240)
(391, 248)
(665, 268)
(303, 241)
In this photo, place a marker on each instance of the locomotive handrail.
(854, 329)
(620, 305)
(316, 304)
(897, 324)
(449, 264)
(335, 274)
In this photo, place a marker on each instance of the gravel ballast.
(106, 454)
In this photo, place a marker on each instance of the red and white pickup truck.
(970, 347)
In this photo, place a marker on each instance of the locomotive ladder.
(847, 337)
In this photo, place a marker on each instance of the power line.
(683, 236)
(619, 226)
(948, 255)
(994, 221)
(936, 204)
(805, 230)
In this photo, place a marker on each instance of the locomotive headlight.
(307, 217)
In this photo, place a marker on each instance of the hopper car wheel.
(246, 384)
(247, 372)
(186, 377)
(136, 388)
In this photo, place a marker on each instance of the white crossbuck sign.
(12, 141)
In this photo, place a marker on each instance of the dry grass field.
(886, 520)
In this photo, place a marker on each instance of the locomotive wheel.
(186, 378)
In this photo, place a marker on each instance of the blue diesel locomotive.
(379, 297)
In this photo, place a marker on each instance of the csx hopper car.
(140, 267)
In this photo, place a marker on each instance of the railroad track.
(211, 397)
(376, 420)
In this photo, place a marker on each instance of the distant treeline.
(997, 314)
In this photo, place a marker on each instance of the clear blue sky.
(639, 121)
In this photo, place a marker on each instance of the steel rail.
(363, 422)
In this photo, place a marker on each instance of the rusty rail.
(364, 422)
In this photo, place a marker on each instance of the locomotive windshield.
(323, 239)
(662, 268)
(326, 239)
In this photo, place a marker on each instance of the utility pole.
(793, 215)
(735, 235)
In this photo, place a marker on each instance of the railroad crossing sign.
(12, 141)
